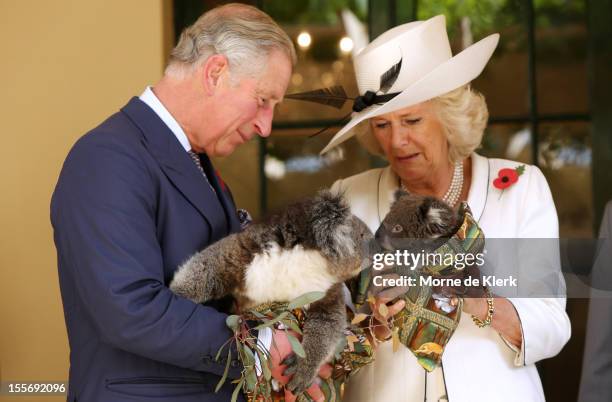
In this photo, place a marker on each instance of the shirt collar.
(154, 103)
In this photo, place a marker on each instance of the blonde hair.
(463, 115)
(242, 33)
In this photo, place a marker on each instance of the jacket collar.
(181, 171)
(388, 183)
(479, 189)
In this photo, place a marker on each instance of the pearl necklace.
(454, 190)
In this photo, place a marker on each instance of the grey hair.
(463, 115)
(242, 33)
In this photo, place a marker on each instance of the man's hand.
(281, 349)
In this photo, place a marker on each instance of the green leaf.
(218, 355)
(359, 317)
(257, 314)
(273, 321)
(251, 380)
(296, 346)
(232, 321)
(237, 391)
(305, 299)
(227, 365)
(520, 169)
(250, 357)
(293, 325)
(383, 310)
(265, 368)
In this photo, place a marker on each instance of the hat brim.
(452, 74)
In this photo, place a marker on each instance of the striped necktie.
(196, 159)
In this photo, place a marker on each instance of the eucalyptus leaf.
(237, 391)
(227, 365)
(251, 380)
(250, 357)
(305, 299)
(293, 325)
(273, 321)
(258, 314)
(218, 355)
(232, 321)
(296, 346)
(265, 368)
(359, 317)
(396, 339)
(383, 310)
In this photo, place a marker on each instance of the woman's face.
(413, 141)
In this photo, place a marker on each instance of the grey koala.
(313, 245)
(417, 223)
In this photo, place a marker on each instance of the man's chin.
(224, 150)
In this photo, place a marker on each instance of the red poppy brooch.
(507, 177)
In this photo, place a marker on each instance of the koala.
(417, 223)
(313, 245)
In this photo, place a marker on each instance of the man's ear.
(213, 70)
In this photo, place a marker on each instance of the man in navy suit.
(138, 195)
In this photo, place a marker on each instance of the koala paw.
(303, 374)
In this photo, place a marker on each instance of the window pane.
(294, 168)
(317, 31)
(507, 141)
(565, 158)
(504, 81)
(561, 54)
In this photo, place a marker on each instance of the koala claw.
(300, 382)
(290, 370)
(291, 363)
(290, 360)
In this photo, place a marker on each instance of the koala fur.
(417, 222)
(313, 245)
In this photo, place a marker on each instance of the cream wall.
(65, 66)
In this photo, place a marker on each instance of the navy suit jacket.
(129, 207)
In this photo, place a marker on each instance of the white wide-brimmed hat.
(409, 64)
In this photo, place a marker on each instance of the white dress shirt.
(154, 103)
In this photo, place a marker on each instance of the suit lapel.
(223, 195)
(177, 165)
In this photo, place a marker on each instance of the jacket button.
(234, 363)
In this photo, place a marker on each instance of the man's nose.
(263, 122)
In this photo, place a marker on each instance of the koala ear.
(423, 210)
(399, 193)
(330, 220)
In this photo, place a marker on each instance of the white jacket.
(477, 365)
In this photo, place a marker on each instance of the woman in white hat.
(417, 110)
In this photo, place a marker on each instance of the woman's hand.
(505, 318)
(381, 327)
